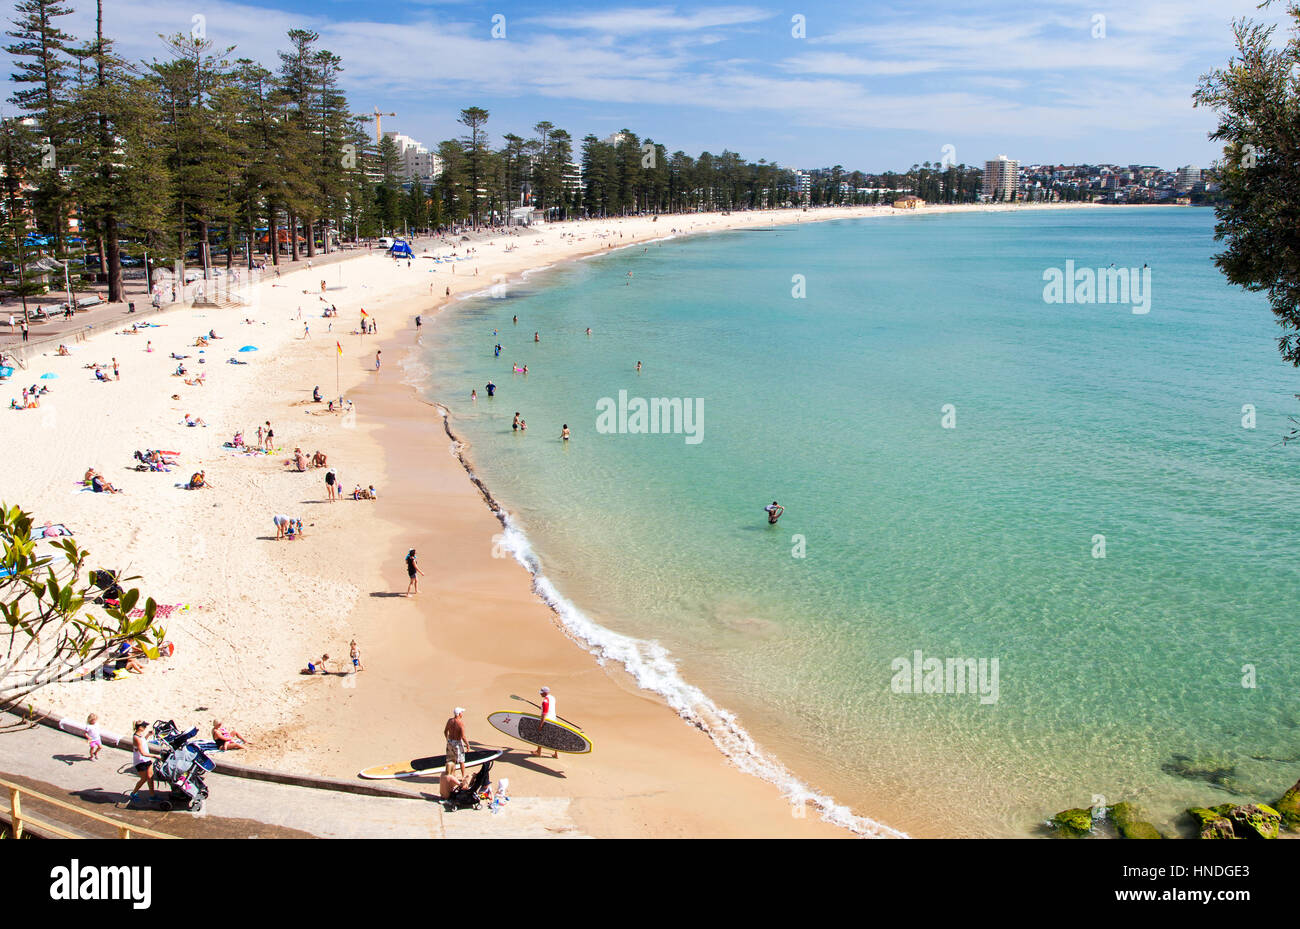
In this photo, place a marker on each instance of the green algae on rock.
(1072, 824)
(1128, 820)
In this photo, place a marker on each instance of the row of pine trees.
(209, 156)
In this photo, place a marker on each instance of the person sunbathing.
(300, 459)
(200, 342)
(98, 484)
(318, 460)
(180, 370)
(198, 481)
(63, 351)
(227, 739)
(195, 382)
(212, 334)
(194, 421)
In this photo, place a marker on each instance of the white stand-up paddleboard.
(531, 728)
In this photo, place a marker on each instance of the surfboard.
(429, 767)
(530, 728)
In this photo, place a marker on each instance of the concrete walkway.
(54, 763)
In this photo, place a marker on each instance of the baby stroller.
(470, 797)
(181, 765)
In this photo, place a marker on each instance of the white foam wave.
(654, 669)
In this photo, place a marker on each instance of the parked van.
(385, 241)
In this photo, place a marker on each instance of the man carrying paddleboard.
(454, 732)
(548, 715)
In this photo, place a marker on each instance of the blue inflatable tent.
(400, 249)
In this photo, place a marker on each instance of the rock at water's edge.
(1128, 820)
(1071, 824)
(1255, 821)
(1289, 807)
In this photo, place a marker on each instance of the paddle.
(557, 715)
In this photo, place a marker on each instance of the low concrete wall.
(44, 718)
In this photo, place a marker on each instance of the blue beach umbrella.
(48, 377)
(249, 348)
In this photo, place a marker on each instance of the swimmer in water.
(536, 337)
(565, 433)
(588, 330)
(516, 320)
(638, 367)
(774, 512)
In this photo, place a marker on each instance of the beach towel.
(58, 530)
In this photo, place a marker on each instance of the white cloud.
(636, 20)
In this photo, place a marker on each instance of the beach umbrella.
(249, 348)
(48, 377)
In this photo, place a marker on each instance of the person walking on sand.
(355, 654)
(117, 373)
(413, 573)
(548, 716)
(377, 360)
(454, 732)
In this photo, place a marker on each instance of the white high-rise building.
(1001, 177)
(803, 182)
(418, 163)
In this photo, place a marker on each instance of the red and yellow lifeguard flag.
(364, 313)
(339, 347)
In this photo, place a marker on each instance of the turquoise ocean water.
(1071, 422)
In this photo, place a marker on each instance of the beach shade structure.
(6, 372)
(249, 348)
(400, 249)
(49, 377)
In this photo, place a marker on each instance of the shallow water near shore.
(1071, 422)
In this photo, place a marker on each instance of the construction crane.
(378, 118)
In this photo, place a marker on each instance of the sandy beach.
(251, 610)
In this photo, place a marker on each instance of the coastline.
(473, 636)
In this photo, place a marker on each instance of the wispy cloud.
(639, 20)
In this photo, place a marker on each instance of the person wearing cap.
(548, 715)
(454, 732)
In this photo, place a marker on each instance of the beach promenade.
(246, 611)
(54, 763)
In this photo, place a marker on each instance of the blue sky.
(871, 86)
